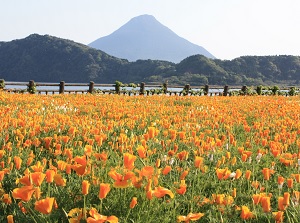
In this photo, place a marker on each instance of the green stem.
(84, 207)
(31, 212)
(48, 191)
(196, 175)
(101, 202)
(221, 218)
(120, 200)
(288, 217)
(127, 215)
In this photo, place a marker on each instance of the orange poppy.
(98, 218)
(247, 174)
(266, 173)
(244, 157)
(280, 180)
(38, 167)
(50, 175)
(129, 161)
(255, 184)
(161, 192)
(80, 167)
(61, 165)
(76, 215)
(184, 174)
(25, 180)
(183, 155)
(246, 213)
(133, 202)
(6, 199)
(85, 187)
(151, 132)
(233, 161)
(223, 174)
(18, 162)
(10, 218)
(218, 198)
(68, 168)
(59, 180)
(29, 161)
(47, 141)
(297, 177)
(190, 217)
(101, 156)
(266, 205)
(69, 153)
(256, 198)
(281, 205)
(121, 181)
(37, 178)
(157, 163)
(149, 185)
(278, 216)
(141, 151)
(238, 174)
(24, 193)
(45, 205)
(104, 189)
(37, 193)
(2, 173)
(286, 198)
(198, 161)
(228, 200)
(166, 170)
(88, 149)
(182, 188)
(296, 196)
(234, 192)
(147, 171)
(149, 194)
(219, 173)
(290, 182)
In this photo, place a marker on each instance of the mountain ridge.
(52, 59)
(143, 37)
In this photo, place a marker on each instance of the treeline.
(51, 59)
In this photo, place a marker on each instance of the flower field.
(112, 158)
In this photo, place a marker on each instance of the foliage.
(118, 85)
(97, 91)
(259, 90)
(31, 88)
(275, 89)
(2, 84)
(292, 91)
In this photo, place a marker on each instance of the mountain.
(52, 59)
(143, 37)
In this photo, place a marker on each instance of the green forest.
(51, 59)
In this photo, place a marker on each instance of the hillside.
(143, 37)
(51, 59)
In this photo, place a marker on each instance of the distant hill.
(51, 59)
(47, 58)
(143, 37)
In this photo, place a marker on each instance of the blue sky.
(226, 28)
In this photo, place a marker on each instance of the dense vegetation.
(51, 59)
(85, 158)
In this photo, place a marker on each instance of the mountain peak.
(145, 17)
(144, 37)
